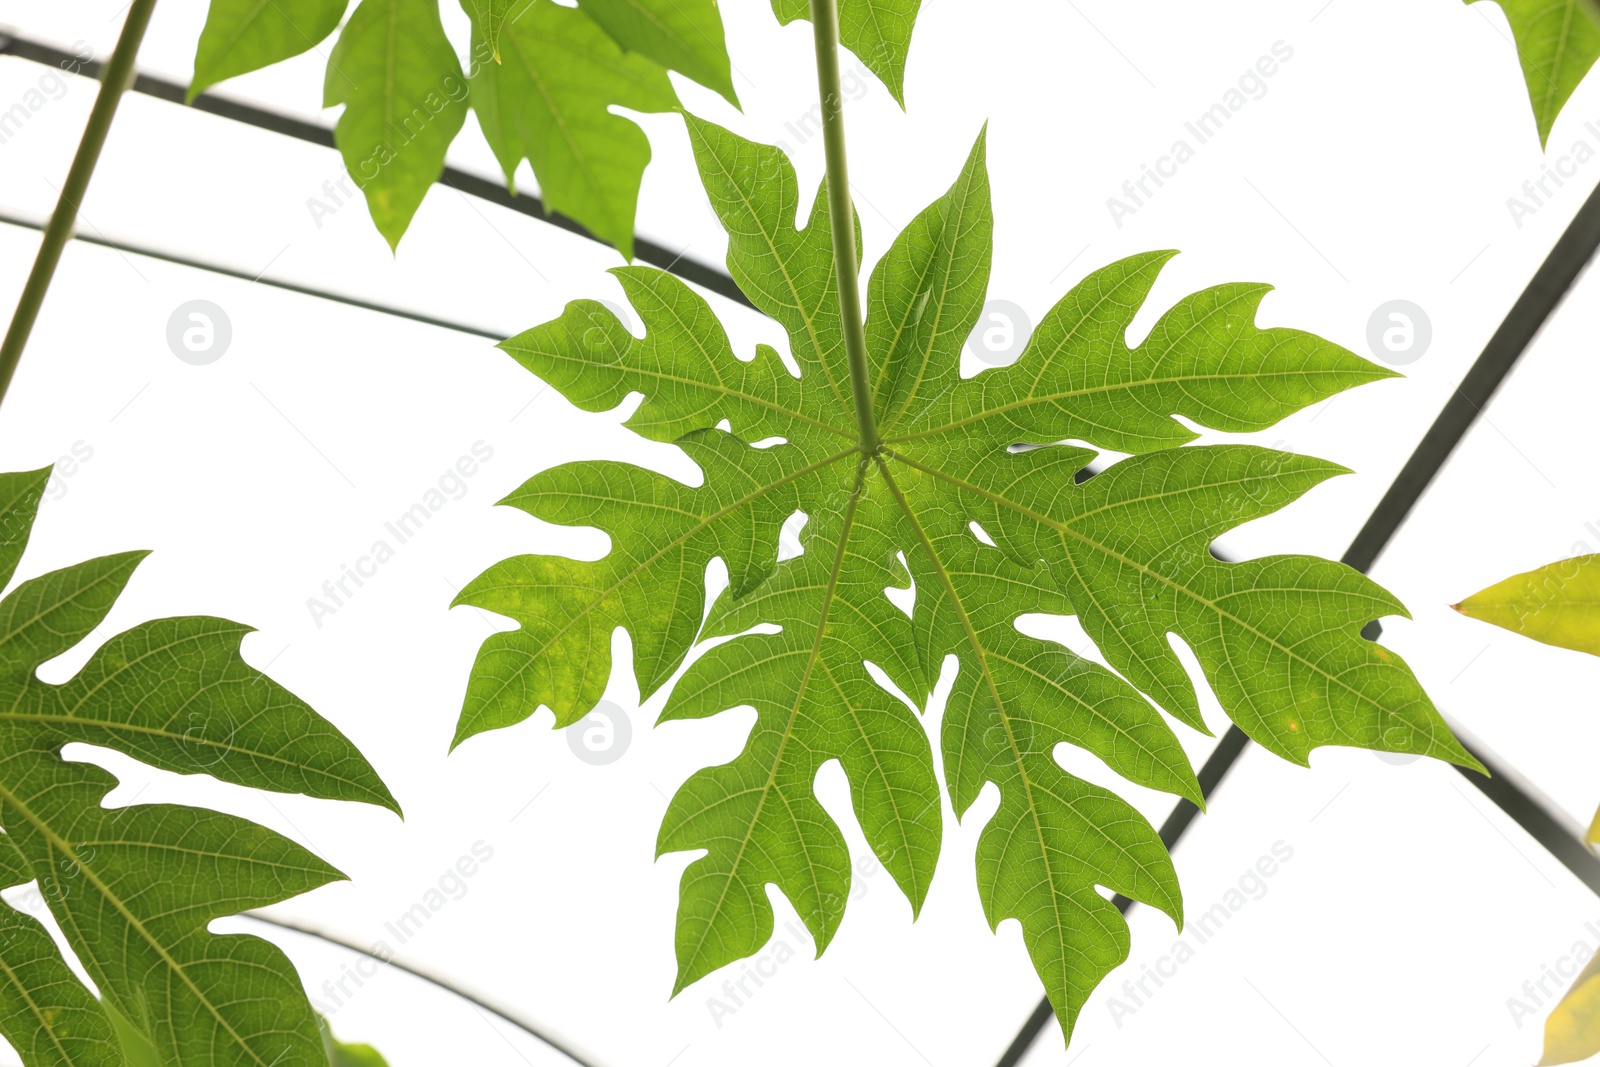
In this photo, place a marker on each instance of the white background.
(1377, 166)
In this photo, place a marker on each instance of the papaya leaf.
(241, 36)
(681, 35)
(1557, 604)
(877, 31)
(45, 1012)
(983, 531)
(1572, 1032)
(406, 100)
(1557, 42)
(544, 77)
(548, 101)
(490, 16)
(134, 888)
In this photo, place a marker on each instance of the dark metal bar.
(657, 255)
(1533, 308)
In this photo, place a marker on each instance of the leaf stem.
(842, 216)
(114, 79)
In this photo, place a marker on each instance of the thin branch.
(115, 79)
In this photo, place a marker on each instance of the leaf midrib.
(1066, 529)
(794, 711)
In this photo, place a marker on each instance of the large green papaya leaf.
(984, 532)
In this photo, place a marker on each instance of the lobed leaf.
(45, 1012)
(977, 531)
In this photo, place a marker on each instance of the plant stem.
(114, 79)
(842, 216)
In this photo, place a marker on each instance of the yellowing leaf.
(1572, 1032)
(1557, 604)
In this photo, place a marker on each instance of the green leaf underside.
(46, 1013)
(134, 888)
(544, 78)
(547, 101)
(681, 35)
(241, 36)
(1557, 604)
(406, 100)
(1557, 42)
(877, 31)
(490, 18)
(1127, 552)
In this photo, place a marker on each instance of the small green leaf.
(241, 36)
(134, 888)
(406, 100)
(1557, 42)
(548, 101)
(681, 35)
(877, 31)
(1557, 604)
(983, 531)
